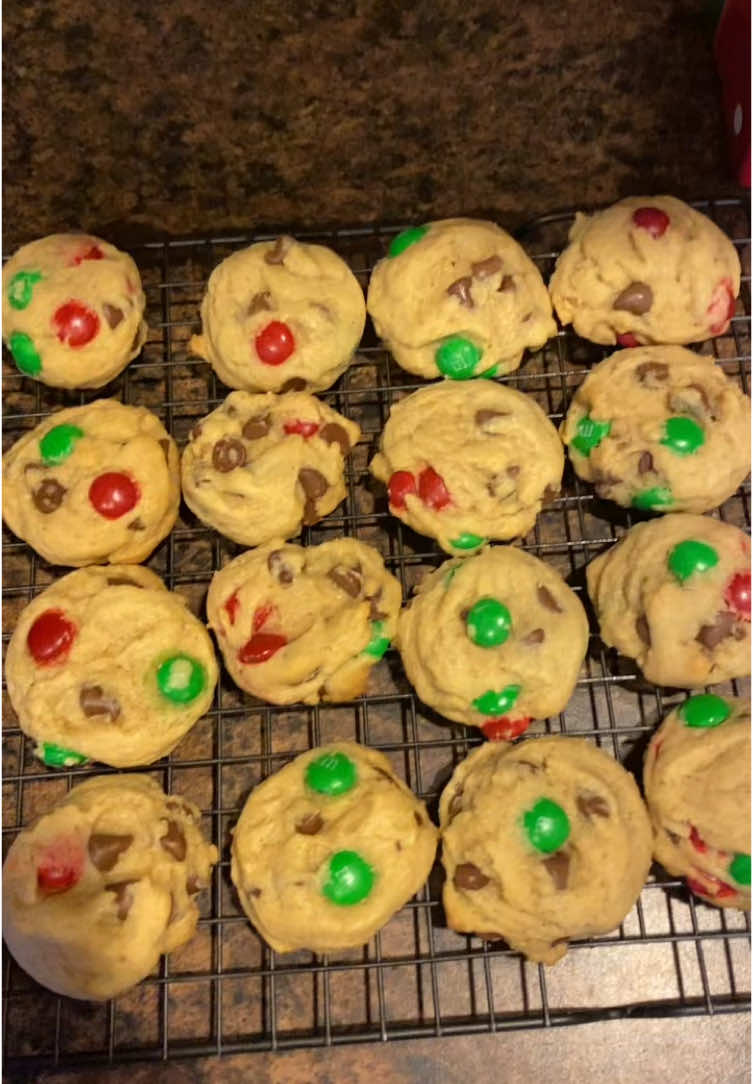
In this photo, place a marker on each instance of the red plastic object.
(732, 56)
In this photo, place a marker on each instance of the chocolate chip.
(456, 803)
(712, 635)
(483, 417)
(228, 454)
(48, 496)
(136, 525)
(484, 269)
(257, 427)
(94, 701)
(193, 885)
(506, 285)
(375, 614)
(645, 463)
(514, 470)
(314, 485)
(279, 568)
(261, 302)
(637, 298)
(122, 581)
(418, 818)
(296, 383)
(592, 805)
(174, 841)
(644, 632)
(255, 892)
(347, 579)
(547, 599)
(123, 898)
(105, 849)
(310, 825)
(196, 432)
(550, 494)
(332, 433)
(231, 410)
(652, 372)
(537, 636)
(469, 876)
(279, 250)
(461, 289)
(558, 867)
(113, 315)
(310, 514)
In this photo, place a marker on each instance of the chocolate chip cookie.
(464, 463)
(697, 782)
(72, 310)
(260, 466)
(327, 849)
(494, 641)
(674, 594)
(660, 428)
(98, 888)
(459, 298)
(649, 269)
(542, 842)
(107, 664)
(281, 316)
(298, 624)
(93, 484)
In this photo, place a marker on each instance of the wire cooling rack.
(226, 990)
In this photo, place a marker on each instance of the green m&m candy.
(691, 556)
(497, 703)
(489, 374)
(590, 434)
(181, 679)
(739, 869)
(457, 358)
(58, 443)
(547, 826)
(704, 710)
(351, 879)
(331, 774)
(406, 239)
(658, 497)
(55, 756)
(21, 288)
(24, 353)
(683, 436)
(378, 644)
(467, 541)
(488, 623)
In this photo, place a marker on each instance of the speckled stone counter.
(187, 116)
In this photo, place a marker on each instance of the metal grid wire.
(226, 990)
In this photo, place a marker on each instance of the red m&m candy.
(737, 594)
(75, 324)
(261, 646)
(304, 429)
(651, 219)
(50, 637)
(627, 339)
(274, 343)
(231, 607)
(113, 494)
(93, 252)
(400, 485)
(432, 490)
(505, 729)
(61, 866)
(722, 307)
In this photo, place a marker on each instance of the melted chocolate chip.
(105, 849)
(506, 285)
(94, 701)
(652, 373)
(296, 383)
(712, 635)
(257, 427)
(310, 514)
(592, 805)
(312, 482)
(558, 867)
(279, 568)
(418, 818)
(347, 579)
(193, 885)
(645, 463)
(550, 494)
(547, 599)
(484, 269)
(375, 614)
(136, 525)
(332, 433)
(123, 897)
(644, 632)
(469, 877)
(483, 417)
(311, 824)
(48, 496)
(261, 302)
(537, 636)
(228, 454)
(279, 250)
(637, 298)
(174, 841)
(461, 289)
(113, 315)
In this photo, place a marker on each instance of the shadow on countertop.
(147, 119)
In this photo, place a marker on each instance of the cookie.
(660, 428)
(281, 316)
(260, 466)
(494, 641)
(696, 777)
(107, 664)
(647, 270)
(327, 849)
(543, 842)
(97, 889)
(674, 594)
(304, 624)
(72, 310)
(459, 298)
(467, 462)
(93, 484)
